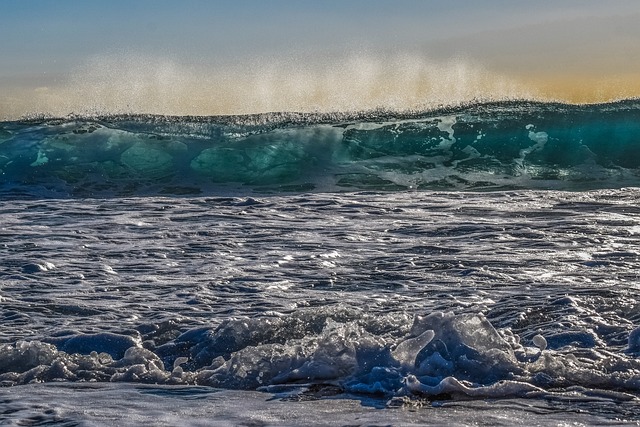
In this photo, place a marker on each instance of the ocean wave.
(482, 146)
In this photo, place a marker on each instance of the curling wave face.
(479, 146)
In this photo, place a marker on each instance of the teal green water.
(476, 147)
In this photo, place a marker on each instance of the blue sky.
(57, 33)
(46, 41)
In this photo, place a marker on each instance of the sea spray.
(136, 83)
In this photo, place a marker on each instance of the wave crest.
(478, 146)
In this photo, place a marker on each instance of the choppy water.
(258, 270)
(384, 296)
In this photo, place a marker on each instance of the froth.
(132, 83)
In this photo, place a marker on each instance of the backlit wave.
(475, 147)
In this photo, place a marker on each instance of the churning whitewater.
(506, 294)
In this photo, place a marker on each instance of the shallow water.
(125, 404)
(439, 306)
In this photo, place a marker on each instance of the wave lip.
(484, 146)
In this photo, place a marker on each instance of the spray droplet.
(540, 342)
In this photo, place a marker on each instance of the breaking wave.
(485, 146)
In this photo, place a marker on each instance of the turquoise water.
(484, 146)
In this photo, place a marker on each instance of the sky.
(242, 56)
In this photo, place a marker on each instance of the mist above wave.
(133, 83)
